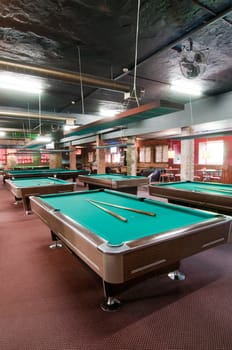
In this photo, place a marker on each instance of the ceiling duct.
(72, 77)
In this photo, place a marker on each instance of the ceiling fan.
(193, 62)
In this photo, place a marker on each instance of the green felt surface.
(38, 181)
(201, 187)
(114, 177)
(43, 171)
(30, 167)
(168, 217)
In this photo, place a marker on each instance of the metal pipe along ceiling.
(8, 113)
(88, 80)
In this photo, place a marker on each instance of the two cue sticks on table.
(98, 204)
(117, 216)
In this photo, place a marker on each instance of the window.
(113, 150)
(161, 154)
(45, 158)
(108, 158)
(24, 159)
(2, 157)
(112, 155)
(116, 158)
(145, 154)
(90, 157)
(211, 152)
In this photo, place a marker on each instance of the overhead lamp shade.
(171, 154)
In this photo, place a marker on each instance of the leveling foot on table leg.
(56, 245)
(111, 304)
(176, 275)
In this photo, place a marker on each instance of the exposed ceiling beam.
(173, 43)
(216, 133)
(207, 9)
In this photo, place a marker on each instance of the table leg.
(110, 303)
(57, 243)
(17, 200)
(26, 205)
(176, 275)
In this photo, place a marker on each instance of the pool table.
(118, 182)
(203, 195)
(123, 251)
(63, 174)
(23, 188)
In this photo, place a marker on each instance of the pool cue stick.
(213, 189)
(127, 208)
(108, 211)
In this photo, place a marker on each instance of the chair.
(167, 177)
(217, 176)
(154, 176)
(177, 177)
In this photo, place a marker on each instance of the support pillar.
(55, 160)
(131, 157)
(72, 157)
(100, 156)
(187, 159)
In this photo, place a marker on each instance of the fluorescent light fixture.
(70, 127)
(108, 112)
(2, 133)
(50, 145)
(186, 87)
(44, 139)
(20, 83)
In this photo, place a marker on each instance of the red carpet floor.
(50, 299)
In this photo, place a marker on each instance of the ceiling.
(88, 57)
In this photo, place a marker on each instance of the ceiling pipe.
(71, 77)
(22, 114)
(12, 130)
